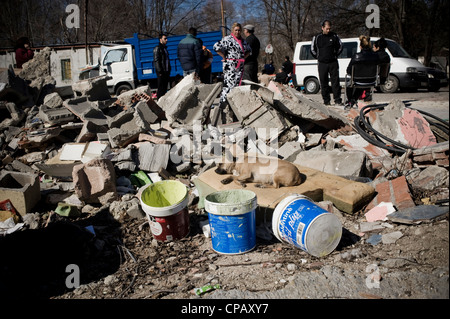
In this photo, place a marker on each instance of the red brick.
(395, 191)
(402, 197)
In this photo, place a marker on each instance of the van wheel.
(122, 88)
(391, 85)
(312, 86)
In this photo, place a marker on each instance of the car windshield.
(396, 50)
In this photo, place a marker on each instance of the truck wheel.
(391, 85)
(122, 88)
(312, 86)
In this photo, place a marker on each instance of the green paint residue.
(164, 193)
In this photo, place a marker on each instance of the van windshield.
(396, 50)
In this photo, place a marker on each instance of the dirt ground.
(125, 262)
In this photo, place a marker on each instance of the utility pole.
(86, 3)
(223, 19)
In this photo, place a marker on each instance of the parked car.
(405, 72)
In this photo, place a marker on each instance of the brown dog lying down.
(266, 172)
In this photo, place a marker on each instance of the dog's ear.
(229, 158)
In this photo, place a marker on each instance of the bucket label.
(233, 234)
(295, 220)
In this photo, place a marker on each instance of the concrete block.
(94, 89)
(53, 100)
(395, 191)
(22, 189)
(145, 112)
(126, 127)
(95, 181)
(336, 162)
(55, 116)
(153, 157)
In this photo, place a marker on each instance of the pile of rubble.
(94, 152)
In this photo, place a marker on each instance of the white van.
(405, 72)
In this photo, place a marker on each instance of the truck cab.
(118, 63)
(131, 64)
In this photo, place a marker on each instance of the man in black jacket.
(251, 62)
(326, 47)
(162, 65)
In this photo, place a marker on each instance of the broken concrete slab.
(348, 196)
(38, 138)
(56, 168)
(336, 162)
(95, 181)
(145, 112)
(428, 179)
(402, 124)
(189, 101)
(253, 111)
(290, 101)
(94, 89)
(86, 110)
(22, 189)
(89, 131)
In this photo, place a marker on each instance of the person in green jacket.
(190, 53)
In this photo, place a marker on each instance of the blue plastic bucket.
(232, 220)
(297, 220)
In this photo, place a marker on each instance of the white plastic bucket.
(297, 220)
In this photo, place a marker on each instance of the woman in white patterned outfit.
(233, 49)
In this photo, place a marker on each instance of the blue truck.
(131, 64)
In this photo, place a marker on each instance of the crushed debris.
(74, 169)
